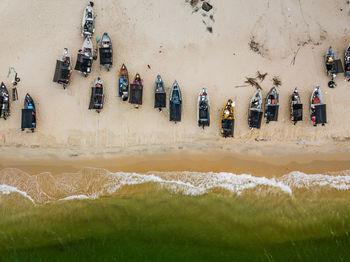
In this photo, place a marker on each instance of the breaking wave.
(93, 183)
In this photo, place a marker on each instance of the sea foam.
(92, 183)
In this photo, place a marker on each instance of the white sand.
(35, 32)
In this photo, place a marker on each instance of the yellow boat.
(227, 119)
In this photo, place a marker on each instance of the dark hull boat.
(333, 66)
(203, 109)
(97, 96)
(296, 107)
(227, 119)
(28, 114)
(63, 69)
(271, 106)
(123, 87)
(85, 57)
(317, 108)
(159, 93)
(4, 101)
(136, 90)
(175, 103)
(106, 52)
(88, 22)
(347, 62)
(255, 110)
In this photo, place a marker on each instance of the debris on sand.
(276, 81)
(206, 6)
(209, 29)
(252, 81)
(256, 47)
(261, 76)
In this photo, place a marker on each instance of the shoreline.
(259, 159)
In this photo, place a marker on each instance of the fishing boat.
(28, 114)
(227, 119)
(317, 108)
(123, 87)
(97, 96)
(255, 110)
(296, 107)
(175, 104)
(347, 62)
(106, 52)
(331, 64)
(136, 90)
(203, 108)
(159, 93)
(4, 102)
(85, 57)
(88, 22)
(63, 69)
(271, 105)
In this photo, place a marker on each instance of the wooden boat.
(123, 87)
(136, 89)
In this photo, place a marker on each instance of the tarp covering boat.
(333, 65)
(317, 108)
(136, 90)
(83, 64)
(63, 69)
(271, 105)
(106, 52)
(85, 57)
(175, 104)
(255, 110)
(4, 101)
(123, 86)
(159, 93)
(227, 119)
(203, 108)
(97, 96)
(28, 114)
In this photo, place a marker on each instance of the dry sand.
(173, 40)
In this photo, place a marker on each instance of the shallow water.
(177, 216)
(93, 183)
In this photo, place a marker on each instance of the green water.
(160, 226)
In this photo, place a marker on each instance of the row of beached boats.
(334, 66)
(270, 112)
(133, 92)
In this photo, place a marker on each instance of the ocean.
(97, 215)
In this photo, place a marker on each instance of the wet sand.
(258, 160)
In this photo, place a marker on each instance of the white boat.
(255, 110)
(317, 108)
(88, 22)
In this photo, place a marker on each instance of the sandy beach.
(173, 40)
